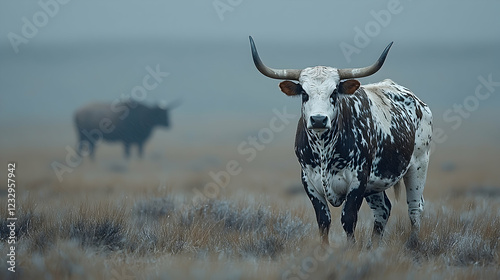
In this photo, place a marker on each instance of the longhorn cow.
(354, 142)
(128, 122)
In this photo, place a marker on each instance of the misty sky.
(78, 20)
(90, 50)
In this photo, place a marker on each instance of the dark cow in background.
(354, 142)
(128, 122)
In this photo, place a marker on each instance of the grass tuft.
(154, 236)
(106, 230)
(266, 247)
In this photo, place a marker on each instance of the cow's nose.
(319, 121)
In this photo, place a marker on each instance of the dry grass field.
(112, 219)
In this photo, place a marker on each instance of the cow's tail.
(397, 189)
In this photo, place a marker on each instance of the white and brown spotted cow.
(355, 142)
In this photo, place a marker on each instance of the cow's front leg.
(352, 204)
(320, 207)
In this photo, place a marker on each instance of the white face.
(317, 105)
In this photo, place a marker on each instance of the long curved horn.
(350, 73)
(174, 104)
(282, 74)
(169, 106)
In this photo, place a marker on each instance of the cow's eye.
(332, 96)
(305, 96)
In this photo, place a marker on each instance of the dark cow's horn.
(352, 73)
(174, 104)
(282, 74)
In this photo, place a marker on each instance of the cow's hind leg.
(320, 207)
(381, 207)
(415, 182)
(91, 150)
(126, 147)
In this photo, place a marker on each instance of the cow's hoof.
(412, 243)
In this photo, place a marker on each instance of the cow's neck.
(323, 147)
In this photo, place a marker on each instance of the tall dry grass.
(166, 236)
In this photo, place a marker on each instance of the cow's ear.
(349, 86)
(290, 88)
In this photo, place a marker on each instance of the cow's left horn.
(352, 73)
(173, 104)
(282, 74)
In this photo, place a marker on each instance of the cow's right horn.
(282, 74)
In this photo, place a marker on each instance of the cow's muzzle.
(319, 122)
